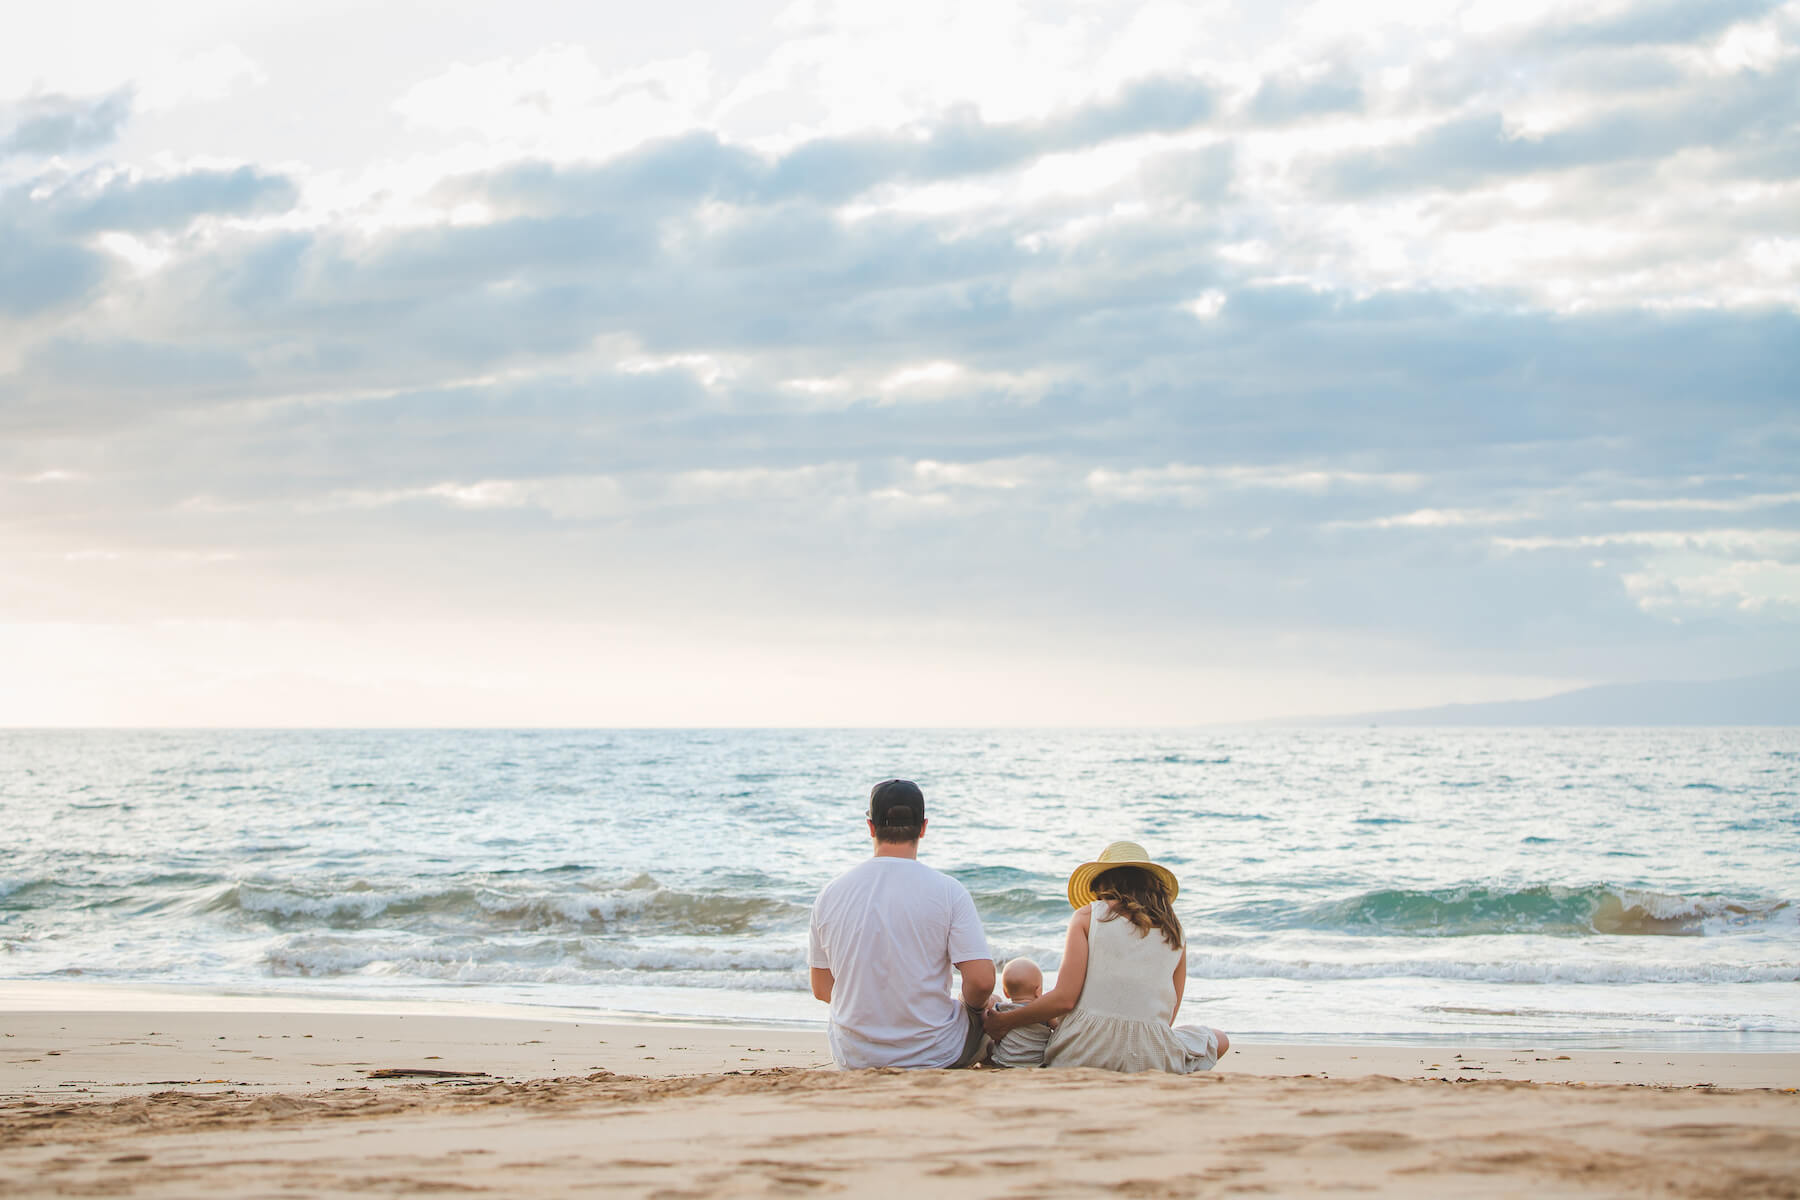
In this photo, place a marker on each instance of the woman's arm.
(1180, 983)
(1058, 1000)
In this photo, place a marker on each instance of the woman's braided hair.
(1139, 897)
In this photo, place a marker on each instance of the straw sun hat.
(1118, 854)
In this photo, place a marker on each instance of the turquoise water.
(1344, 882)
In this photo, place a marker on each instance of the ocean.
(1388, 884)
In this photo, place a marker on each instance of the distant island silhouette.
(1772, 698)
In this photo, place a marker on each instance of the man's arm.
(818, 958)
(968, 947)
(977, 979)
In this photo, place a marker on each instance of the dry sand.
(267, 1103)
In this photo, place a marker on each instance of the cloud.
(54, 124)
(1199, 175)
(1709, 503)
(48, 259)
(1194, 485)
(1745, 110)
(140, 205)
(1282, 98)
(38, 276)
(955, 145)
(1430, 363)
(79, 365)
(1648, 23)
(560, 101)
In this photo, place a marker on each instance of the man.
(884, 937)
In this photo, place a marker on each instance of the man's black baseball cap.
(890, 794)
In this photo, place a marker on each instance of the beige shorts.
(976, 1043)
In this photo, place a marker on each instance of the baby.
(1024, 1046)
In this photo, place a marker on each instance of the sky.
(827, 363)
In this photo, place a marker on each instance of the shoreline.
(39, 995)
(22, 996)
(100, 1052)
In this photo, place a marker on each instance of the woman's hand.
(1070, 978)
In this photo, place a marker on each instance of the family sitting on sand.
(885, 934)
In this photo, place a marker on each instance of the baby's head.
(1023, 981)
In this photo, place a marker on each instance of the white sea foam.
(320, 955)
(1523, 970)
(365, 905)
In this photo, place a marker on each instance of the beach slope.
(128, 1103)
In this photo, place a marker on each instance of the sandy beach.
(252, 1100)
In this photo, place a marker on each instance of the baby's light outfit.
(1121, 1021)
(1021, 1047)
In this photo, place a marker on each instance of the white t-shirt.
(888, 931)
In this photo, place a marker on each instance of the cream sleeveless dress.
(1121, 1021)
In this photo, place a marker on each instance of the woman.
(1123, 971)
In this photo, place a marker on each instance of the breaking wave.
(1543, 909)
(511, 906)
